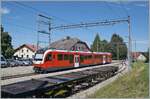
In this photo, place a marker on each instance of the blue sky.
(21, 22)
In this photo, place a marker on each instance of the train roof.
(88, 52)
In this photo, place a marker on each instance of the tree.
(117, 47)
(6, 46)
(104, 45)
(96, 44)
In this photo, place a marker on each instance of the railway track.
(33, 74)
(17, 76)
(58, 86)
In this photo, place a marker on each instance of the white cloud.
(4, 10)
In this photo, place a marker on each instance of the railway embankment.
(86, 93)
(132, 85)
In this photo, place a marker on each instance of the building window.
(22, 56)
(22, 50)
(27, 56)
(27, 50)
(79, 48)
(73, 48)
(76, 48)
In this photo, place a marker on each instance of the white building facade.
(25, 51)
(141, 57)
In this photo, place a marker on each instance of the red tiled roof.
(30, 46)
(135, 54)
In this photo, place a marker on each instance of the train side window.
(81, 58)
(49, 57)
(100, 57)
(85, 57)
(97, 56)
(60, 57)
(90, 56)
(71, 58)
(66, 57)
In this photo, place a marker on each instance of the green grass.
(132, 85)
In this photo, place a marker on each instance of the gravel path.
(16, 70)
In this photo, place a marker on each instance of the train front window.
(38, 57)
(48, 57)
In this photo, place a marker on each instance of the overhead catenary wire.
(37, 10)
(123, 7)
(21, 26)
(111, 9)
(43, 12)
(91, 24)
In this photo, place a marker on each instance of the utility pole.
(97, 46)
(135, 48)
(44, 28)
(129, 45)
(117, 51)
(135, 45)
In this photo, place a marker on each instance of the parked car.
(19, 62)
(12, 63)
(26, 62)
(3, 62)
(29, 61)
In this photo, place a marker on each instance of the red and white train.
(52, 60)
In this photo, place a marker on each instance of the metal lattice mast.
(44, 27)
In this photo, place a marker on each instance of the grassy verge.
(132, 85)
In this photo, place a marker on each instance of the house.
(25, 51)
(68, 43)
(138, 56)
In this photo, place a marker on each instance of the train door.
(104, 59)
(76, 60)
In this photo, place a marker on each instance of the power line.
(123, 7)
(91, 24)
(107, 4)
(111, 9)
(37, 10)
(21, 26)
(40, 11)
